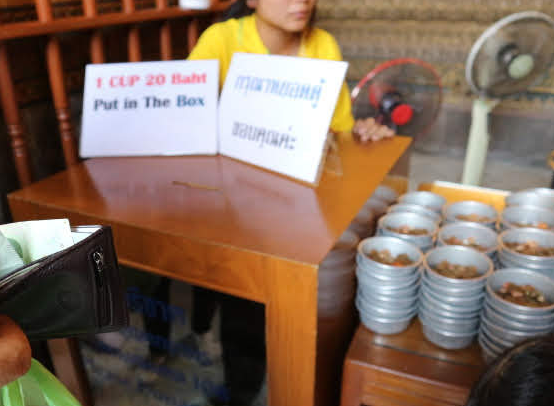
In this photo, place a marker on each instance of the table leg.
(69, 368)
(351, 385)
(291, 333)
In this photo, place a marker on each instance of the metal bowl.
(494, 340)
(414, 208)
(521, 277)
(493, 350)
(428, 199)
(391, 291)
(537, 320)
(438, 312)
(386, 326)
(508, 335)
(526, 215)
(454, 291)
(459, 300)
(510, 324)
(378, 206)
(458, 255)
(449, 324)
(396, 220)
(546, 191)
(468, 207)
(382, 284)
(371, 309)
(386, 194)
(521, 235)
(446, 339)
(461, 311)
(395, 246)
(399, 303)
(344, 251)
(463, 230)
(530, 198)
(463, 301)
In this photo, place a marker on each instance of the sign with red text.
(150, 108)
(275, 112)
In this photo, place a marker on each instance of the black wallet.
(76, 291)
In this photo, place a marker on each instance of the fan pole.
(478, 143)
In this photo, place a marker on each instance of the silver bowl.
(460, 300)
(414, 208)
(445, 339)
(438, 312)
(397, 220)
(494, 340)
(384, 325)
(395, 246)
(344, 251)
(521, 277)
(546, 191)
(371, 309)
(507, 335)
(440, 306)
(399, 303)
(468, 207)
(428, 199)
(508, 323)
(492, 350)
(521, 235)
(386, 194)
(391, 291)
(384, 285)
(482, 235)
(526, 216)
(449, 324)
(378, 206)
(530, 198)
(458, 255)
(536, 320)
(454, 291)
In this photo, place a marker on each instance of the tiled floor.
(126, 377)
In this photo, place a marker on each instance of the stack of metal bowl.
(449, 308)
(430, 200)
(510, 258)
(469, 208)
(387, 294)
(385, 194)
(470, 233)
(363, 224)
(531, 197)
(414, 208)
(397, 220)
(337, 276)
(504, 323)
(526, 216)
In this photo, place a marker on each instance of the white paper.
(150, 108)
(284, 100)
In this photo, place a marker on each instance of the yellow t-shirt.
(222, 40)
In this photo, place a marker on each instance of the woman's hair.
(240, 9)
(521, 376)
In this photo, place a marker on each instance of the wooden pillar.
(57, 84)
(96, 41)
(133, 38)
(13, 119)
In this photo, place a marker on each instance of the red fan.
(404, 94)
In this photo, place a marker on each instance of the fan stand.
(478, 142)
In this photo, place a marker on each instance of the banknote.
(38, 239)
(10, 259)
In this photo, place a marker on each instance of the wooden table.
(407, 370)
(221, 224)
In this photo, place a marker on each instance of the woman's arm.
(15, 351)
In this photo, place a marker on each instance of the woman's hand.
(15, 351)
(369, 130)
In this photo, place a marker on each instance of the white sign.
(275, 112)
(150, 108)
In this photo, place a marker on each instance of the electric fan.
(508, 58)
(403, 94)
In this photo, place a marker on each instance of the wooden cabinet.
(407, 370)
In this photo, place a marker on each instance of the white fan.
(508, 58)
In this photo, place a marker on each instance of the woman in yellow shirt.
(281, 27)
